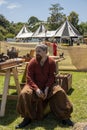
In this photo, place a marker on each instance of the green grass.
(78, 96)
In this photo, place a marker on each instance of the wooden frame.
(6, 87)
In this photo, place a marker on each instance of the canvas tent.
(67, 30)
(40, 32)
(50, 33)
(24, 33)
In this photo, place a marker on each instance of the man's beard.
(38, 57)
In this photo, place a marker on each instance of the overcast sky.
(22, 10)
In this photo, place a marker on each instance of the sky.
(22, 10)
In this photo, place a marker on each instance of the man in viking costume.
(41, 89)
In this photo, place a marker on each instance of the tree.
(3, 31)
(74, 19)
(83, 28)
(56, 16)
(4, 22)
(32, 21)
(1, 37)
(18, 27)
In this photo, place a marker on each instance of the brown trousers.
(30, 105)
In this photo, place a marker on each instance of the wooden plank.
(15, 75)
(12, 87)
(10, 97)
(57, 67)
(5, 91)
(11, 63)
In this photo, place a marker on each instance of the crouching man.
(41, 89)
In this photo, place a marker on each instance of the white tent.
(50, 33)
(40, 32)
(67, 30)
(24, 33)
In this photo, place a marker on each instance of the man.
(41, 89)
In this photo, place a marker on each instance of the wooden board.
(11, 62)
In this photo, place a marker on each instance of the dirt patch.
(23, 48)
(75, 56)
(80, 126)
(78, 57)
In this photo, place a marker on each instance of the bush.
(9, 35)
(1, 37)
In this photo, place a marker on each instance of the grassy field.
(77, 95)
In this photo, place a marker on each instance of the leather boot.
(24, 123)
(67, 122)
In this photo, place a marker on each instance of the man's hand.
(40, 93)
(46, 92)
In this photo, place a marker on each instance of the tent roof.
(43, 32)
(50, 33)
(24, 33)
(40, 32)
(67, 30)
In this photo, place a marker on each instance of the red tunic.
(54, 49)
(41, 76)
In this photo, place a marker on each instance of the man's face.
(39, 54)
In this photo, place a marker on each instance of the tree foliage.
(55, 13)
(56, 16)
(32, 21)
(4, 22)
(73, 18)
(83, 28)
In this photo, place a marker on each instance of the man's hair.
(42, 46)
